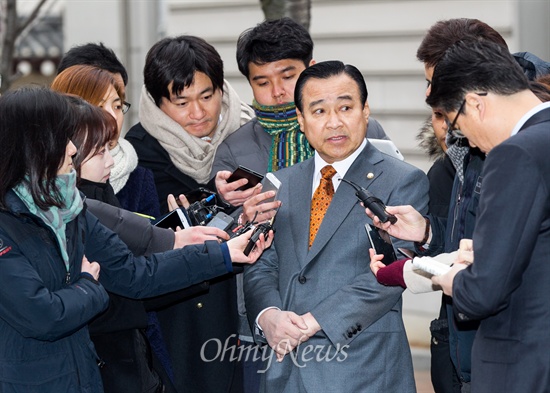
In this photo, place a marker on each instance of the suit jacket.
(509, 288)
(362, 329)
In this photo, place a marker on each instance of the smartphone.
(244, 173)
(271, 183)
(381, 242)
(407, 253)
(388, 147)
(198, 194)
(222, 221)
(176, 218)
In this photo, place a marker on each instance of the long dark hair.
(36, 125)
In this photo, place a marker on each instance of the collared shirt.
(341, 167)
(528, 115)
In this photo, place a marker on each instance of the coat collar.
(15, 204)
(539, 117)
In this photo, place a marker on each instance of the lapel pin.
(370, 175)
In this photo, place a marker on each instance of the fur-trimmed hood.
(428, 141)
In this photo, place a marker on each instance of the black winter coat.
(44, 310)
(195, 325)
(118, 333)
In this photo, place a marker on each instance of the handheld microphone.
(374, 204)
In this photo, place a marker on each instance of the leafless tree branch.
(30, 18)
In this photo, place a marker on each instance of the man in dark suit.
(486, 96)
(322, 290)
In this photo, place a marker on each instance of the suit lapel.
(300, 195)
(344, 199)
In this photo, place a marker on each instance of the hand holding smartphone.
(176, 218)
(244, 173)
(270, 183)
(381, 243)
(261, 207)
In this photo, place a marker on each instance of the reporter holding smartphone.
(184, 116)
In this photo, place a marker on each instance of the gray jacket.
(250, 146)
(359, 317)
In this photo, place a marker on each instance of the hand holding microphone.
(373, 203)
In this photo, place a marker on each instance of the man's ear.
(311, 62)
(366, 111)
(300, 119)
(476, 105)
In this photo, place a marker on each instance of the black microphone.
(374, 204)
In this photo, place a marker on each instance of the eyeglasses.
(451, 126)
(125, 107)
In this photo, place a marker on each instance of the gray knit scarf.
(457, 148)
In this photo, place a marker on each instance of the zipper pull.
(68, 278)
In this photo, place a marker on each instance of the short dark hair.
(96, 127)
(36, 125)
(271, 41)
(97, 55)
(176, 59)
(446, 33)
(325, 70)
(473, 65)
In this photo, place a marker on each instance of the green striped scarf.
(288, 144)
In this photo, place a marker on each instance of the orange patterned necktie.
(320, 201)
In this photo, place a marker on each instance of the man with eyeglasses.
(507, 286)
(451, 347)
